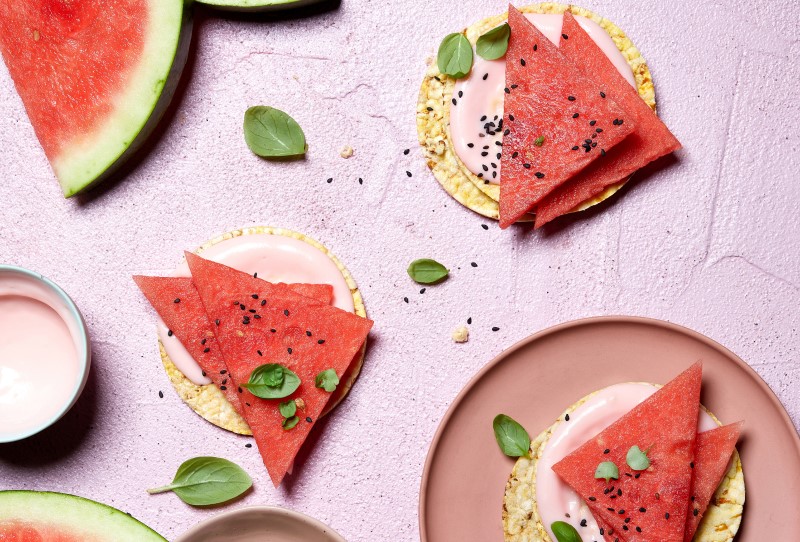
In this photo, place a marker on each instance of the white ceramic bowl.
(261, 524)
(12, 279)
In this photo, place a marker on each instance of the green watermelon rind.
(79, 515)
(256, 5)
(141, 106)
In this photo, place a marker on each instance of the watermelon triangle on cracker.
(650, 140)
(178, 303)
(650, 505)
(285, 328)
(556, 120)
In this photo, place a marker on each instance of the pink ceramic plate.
(261, 524)
(534, 381)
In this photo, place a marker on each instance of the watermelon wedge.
(557, 121)
(95, 77)
(177, 302)
(649, 505)
(712, 456)
(650, 140)
(307, 338)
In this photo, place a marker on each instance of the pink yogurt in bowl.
(44, 353)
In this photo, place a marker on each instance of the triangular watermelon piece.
(647, 506)
(286, 329)
(177, 302)
(650, 140)
(548, 97)
(713, 452)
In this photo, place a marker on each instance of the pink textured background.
(710, 241)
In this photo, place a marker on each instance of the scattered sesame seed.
(160, 394)
(405, 299)
(422, 291)
(360, 180)
(473, 264)
(485, 75)
(406, 151)
(495, 328)
(566, 417)
(330, 180)
(484, 226)
(169, 333)
(248, 445)
(408, 173)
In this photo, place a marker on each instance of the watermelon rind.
(140, 108)
(257, 5)
(522, 523)
(433, 115)
(78, 516)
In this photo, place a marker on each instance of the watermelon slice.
(651, 505)
(548, 97)
(177, 302)
(650, 140)
(713, 453)
(38, 516)
(286, 329)
(95, 77)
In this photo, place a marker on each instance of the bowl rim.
(233, 515)
(82, 342)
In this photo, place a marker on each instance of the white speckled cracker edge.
(208, 401)
(433, 115)
(522, 523)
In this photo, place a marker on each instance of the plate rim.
(228, 515)
(592, 320)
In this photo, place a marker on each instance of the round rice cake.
(433, 115)
(522, 523)
(208, 401)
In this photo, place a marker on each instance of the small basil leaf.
(607, 470)
(637, 459)
(271, 133)
(203, 481)
(288, 409)
(494, 43)
(327, 380)
(565, 532)
(427, 271)
(263, 376)
(290, 423)
(512, 438)
(455, 55)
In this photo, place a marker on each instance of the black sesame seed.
(169, 333)
(470, 145)
(484, 226)
(460, 93)
(405, 299)
(473, 264)
(360, 180)
(430, 109)
(160, 394)
(422, 291)
(454, 101)
(495, 328)
(583, 523)
(485, 75)
(566, 417)
(406, 151)
(408, 173)
(248, 445)
(469, 320)
(330, 180)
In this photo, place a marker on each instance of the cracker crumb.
(461, 334)
(346, 152)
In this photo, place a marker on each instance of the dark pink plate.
(535, 380)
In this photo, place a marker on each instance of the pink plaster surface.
(710, 240)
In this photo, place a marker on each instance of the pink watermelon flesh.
(188, 320)
(656, 500)
(23, 532)
(650, 140)
(320, 337)
(544, 90)
(713, 453)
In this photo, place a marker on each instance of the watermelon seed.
(360, 180)
(571, 98)
(606, 451)
(330, 180)
(242, 306)
(666, 515)
(259, 352)
(583, 523)
(177, 300)
(638, 529)
(273, 330)
(289, 350)
(507, 91)
(485, 167)
(499, 156)
(240, 389)
(308, 333)
(539, 175)
(514, 86)
(473, 264)
(592, 122)
(510, 117)
(637, 475)
(495, 328)
(484, 153)
(308, 419)
(643, 510)
(535, 47)
(480, 175)
(598, 130)
(566, 417)
(408, 173)
(257, 317)
(522, 61)
(565, 36)
(575, 148)
(224, 380)
(252, 311)
(526, 166)
(430, 109)
(471, 145)
(223, 388)
(454, 101)
(263, 302)
(494, 176)
(695, 511)
(575, 116)
(485, 75)
(169, 333)
(594, 144)
(286, 312)
(321, 341)
(255, 275)
(627, 520)
(206, 350)
(602, 152)
(460, 93)
(204, 373)
(216, 321)
(203, 341)
(514, 154)
(254, 296)
(593, 499)
(223, 371)
(621, 512)
(248, 404)
(691, 464)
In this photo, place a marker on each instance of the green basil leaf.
(539, 141)
(327, 380)
(271, 133)
(290, 423)
(607, 470)
(455, 55)
(565, 532)
(637, 459)
(512, 438)
(263, 378)
(494, 43)
(203, 481)
(288, 409)
(427, 271)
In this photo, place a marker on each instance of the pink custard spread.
(40, 366)
(555, 499)
(275, 258)
(475, 117)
